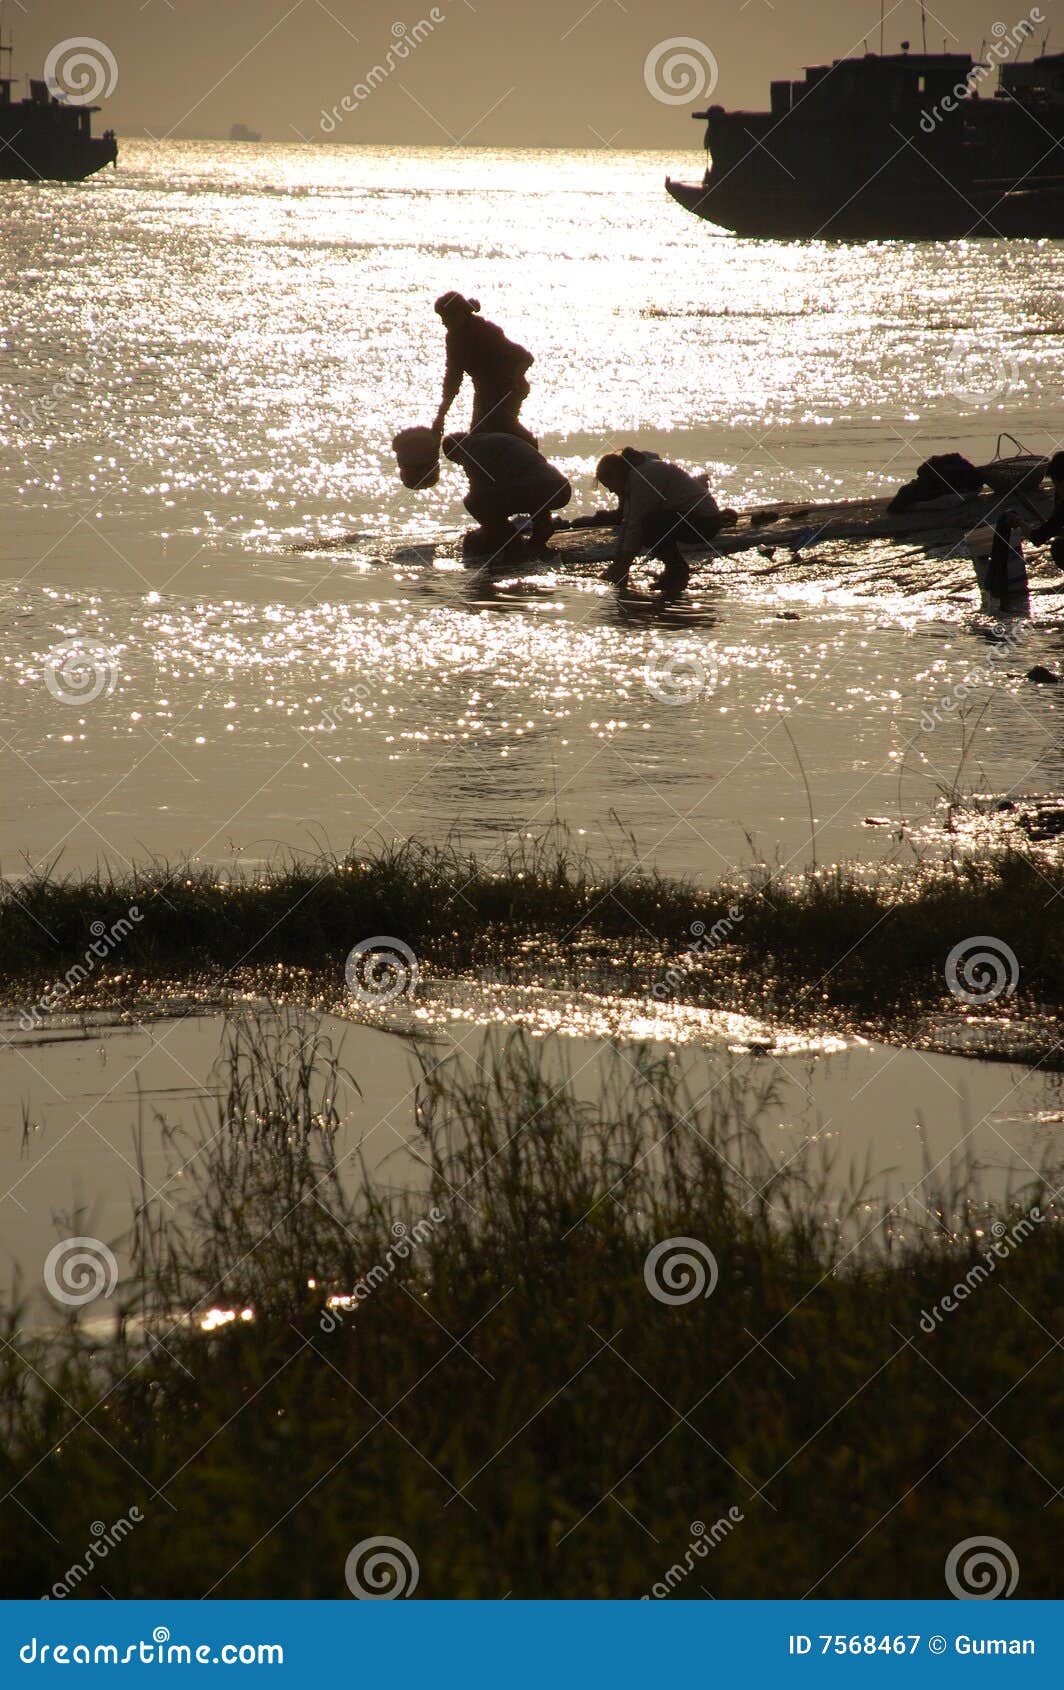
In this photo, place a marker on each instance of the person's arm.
(640, 498)
(452, 382)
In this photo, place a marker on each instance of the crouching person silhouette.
(507, 478)
(660, 505)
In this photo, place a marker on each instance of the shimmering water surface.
(204, 357)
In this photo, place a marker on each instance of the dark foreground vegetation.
(506, 1394)
(867, 949)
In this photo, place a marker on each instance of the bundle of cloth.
(948, 473)
(417, 453)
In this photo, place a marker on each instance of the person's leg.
(543, 515)
(617, 574)
(660, 541)
(542, 529)
(656, 540)
(494, 524)
(693, 531)
(674, 577)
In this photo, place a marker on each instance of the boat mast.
(923, 22)
(882, 23)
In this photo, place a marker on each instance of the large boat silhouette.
(881, 147)
(47, 139)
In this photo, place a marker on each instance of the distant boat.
(241, 132)
(45, 138)
(895, 146)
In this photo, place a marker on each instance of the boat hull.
(977, 211)
(31, 160)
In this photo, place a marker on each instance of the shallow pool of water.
(862, 1128)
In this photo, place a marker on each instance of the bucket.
(417, 453)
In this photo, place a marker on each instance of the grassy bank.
(505, 1390)
(871, 949)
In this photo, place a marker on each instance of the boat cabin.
(912, 145)
(893, 83)
(45, 138)
(1041, 83)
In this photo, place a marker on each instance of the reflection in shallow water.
(99, 1118)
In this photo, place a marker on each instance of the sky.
(620, 73)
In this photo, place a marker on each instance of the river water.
(204, 356)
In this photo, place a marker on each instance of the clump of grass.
(510, 1398)
(870, 948)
